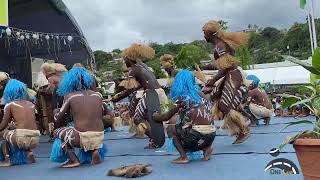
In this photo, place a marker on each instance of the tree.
(190, 55)
(118, 51)
(102, 58)
(245, 57)
(156, 66)
(223, 24)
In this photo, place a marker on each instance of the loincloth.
(26, 139)
(193, 140)
(91, 140)
(260, 111)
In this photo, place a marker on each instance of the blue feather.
(77, 79)
(86, 157)
(1, 156)
(57, 153)
(185, 86)
(15, 90)
(18, 156)
(255, 80)
(170, 146)
(192, 156)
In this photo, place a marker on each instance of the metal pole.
(313, 26)
(310, 33)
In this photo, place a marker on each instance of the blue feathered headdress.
(255, 80)
(77, 79)
(184, 86)
(15, 90)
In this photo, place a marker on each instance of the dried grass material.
(53, 68)
(166, 61)
(234, 122)
(77, 65)
(138, 52)
(130, 83)
(124, 68)
(4, 76)
(233, 39)
(226, 61)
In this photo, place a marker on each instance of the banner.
(4, 13)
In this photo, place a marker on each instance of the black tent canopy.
(48, 16)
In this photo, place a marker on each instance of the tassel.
(192, 156)
(107, 130)
(170, 146)
(1, 156)
(103, 151)
(17, 156)
(86, 157)
(57, 153)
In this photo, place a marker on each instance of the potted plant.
(307, 143)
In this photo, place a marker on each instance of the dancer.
(228, 84)
(54, 73)
(19, 142)
(194, 129)
(168, 65)
(4, 78)
(258, 103)
(86, 108)
(140, 77)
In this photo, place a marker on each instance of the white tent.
(282, 75)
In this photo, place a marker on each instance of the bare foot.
(253, 125)
(95, 157)
(181, 160)
(31, 158)
(71, 164)
(6, 163)
(207, 154)
(242, 138)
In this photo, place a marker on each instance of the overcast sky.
(110, 24)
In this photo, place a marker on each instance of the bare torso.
(86, 108)
(260, 97)
(22, 113)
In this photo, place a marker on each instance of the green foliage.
(245, 57)
(316, 64)
(108, 70)
(190, 55)
(166, 107)
(156, 66)
(289, 101)
(102, 58)
(223, 24)
(309, 96)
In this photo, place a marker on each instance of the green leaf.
(291, 140)
(297, 123)
(309, 67)
(308, 100)
(316, 103)
(289, 101)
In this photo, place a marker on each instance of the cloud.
(111, 24)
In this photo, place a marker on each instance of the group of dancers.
(230, 96)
